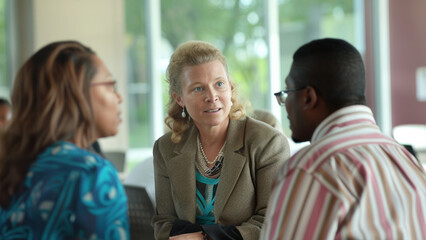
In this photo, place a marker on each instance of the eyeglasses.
(112, 84)
(283, 94)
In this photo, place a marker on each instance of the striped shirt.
(351, 182)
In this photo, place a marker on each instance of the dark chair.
(141, 212)
(410, 149)
(117, 158)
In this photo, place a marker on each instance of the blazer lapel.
(182, 175)
(233, 163)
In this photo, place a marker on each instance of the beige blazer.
(252, 155)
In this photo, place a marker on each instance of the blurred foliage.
(210, 20)
(135, 17)
(300, 10)
(3, 53)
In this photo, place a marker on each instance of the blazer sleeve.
(165, 212)
(266, 157)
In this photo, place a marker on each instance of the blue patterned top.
(68, 193)
(206, 195)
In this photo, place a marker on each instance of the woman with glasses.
(51, 187)
(213, 171)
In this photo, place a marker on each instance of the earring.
(183, 113)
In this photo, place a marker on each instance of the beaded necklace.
(204, 155)
(202, 162)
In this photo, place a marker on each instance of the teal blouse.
(206, 192)
(69, 193)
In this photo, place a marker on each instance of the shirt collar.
(351, 115)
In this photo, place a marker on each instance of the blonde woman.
(213, 171)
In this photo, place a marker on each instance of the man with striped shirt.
(352, 181)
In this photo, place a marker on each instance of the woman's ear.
(178, 99)
(310, 97)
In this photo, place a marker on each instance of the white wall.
(98, 24)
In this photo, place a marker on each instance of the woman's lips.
(213, 110)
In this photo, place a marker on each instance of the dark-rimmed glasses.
(283, 94)
(113, 84)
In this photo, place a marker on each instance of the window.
(4, 82)
(137, 80)
(237, 27)
(303, 21)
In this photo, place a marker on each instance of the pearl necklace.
(206, 160)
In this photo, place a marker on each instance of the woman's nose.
(211, 95)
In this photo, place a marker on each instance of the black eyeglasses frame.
(282, 95)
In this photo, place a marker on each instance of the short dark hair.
(334, 68)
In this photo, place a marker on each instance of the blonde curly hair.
(192, 53)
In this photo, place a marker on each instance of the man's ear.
(178, 99)
(310, 97)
